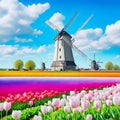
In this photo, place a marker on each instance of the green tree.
(18, 64)
(30, 65)
(116, 67)
(109, 66)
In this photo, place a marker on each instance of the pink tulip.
(104, 97)
(116, 100)
(7, 106)
(1, 106)
(24, 94)
(109, 102)
(88, 97)
(85, 104)
(91, 92)
(110, 97)
(16, 114)
(49, 103)
(83, 92)
(89, 117)
(79, 95)
(62, 102)
(72, 93)
(75, 110)
(56, 102)
(37, 117)
(97, 103)
(44, 109)
(81, 110)
(66, 109)
(31, 103)
(49, 109)
(74, 102)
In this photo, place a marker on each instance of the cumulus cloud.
(8, 49)
(23, 40)
(16, 18)
(96, 40)
(113, 33)
(57, 19)
(11, 50)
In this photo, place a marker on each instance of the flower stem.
(1, 115)
(6, 113)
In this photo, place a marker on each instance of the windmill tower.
(63, 56)
(43, 66)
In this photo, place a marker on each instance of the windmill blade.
(74, 47)
(94, 56)
(79, 51)
(71, 20)
(99, 62)
(53, 26)
(90, 59)
(83, 25)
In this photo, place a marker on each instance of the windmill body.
(63, 56)
(94, 65)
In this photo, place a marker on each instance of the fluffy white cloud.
(8, 49)
(57, 19)
(17, 39)
(11, 50)
(15, 18)
(96, 40)
(113, 33)
(84, 38)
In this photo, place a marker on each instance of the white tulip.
(16, 114)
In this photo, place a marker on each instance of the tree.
(30, 65)
(116, 67)
(109, 66)
(18, 64)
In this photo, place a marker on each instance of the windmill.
(43, 66)
(94, 64)
(63, 56)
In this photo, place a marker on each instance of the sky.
(25, 35)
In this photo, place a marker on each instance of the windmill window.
(59, 49)
(60, 57)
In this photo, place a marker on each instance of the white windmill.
(63, 56)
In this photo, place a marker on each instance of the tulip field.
(63, 98)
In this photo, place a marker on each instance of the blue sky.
(25, 35)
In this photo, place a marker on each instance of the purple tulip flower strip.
(15, 85)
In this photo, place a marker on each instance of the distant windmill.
(63, 56)
(94, 64)
(43, 66)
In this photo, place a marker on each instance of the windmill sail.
(53, 26)
(71, 20)
(84, 24)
